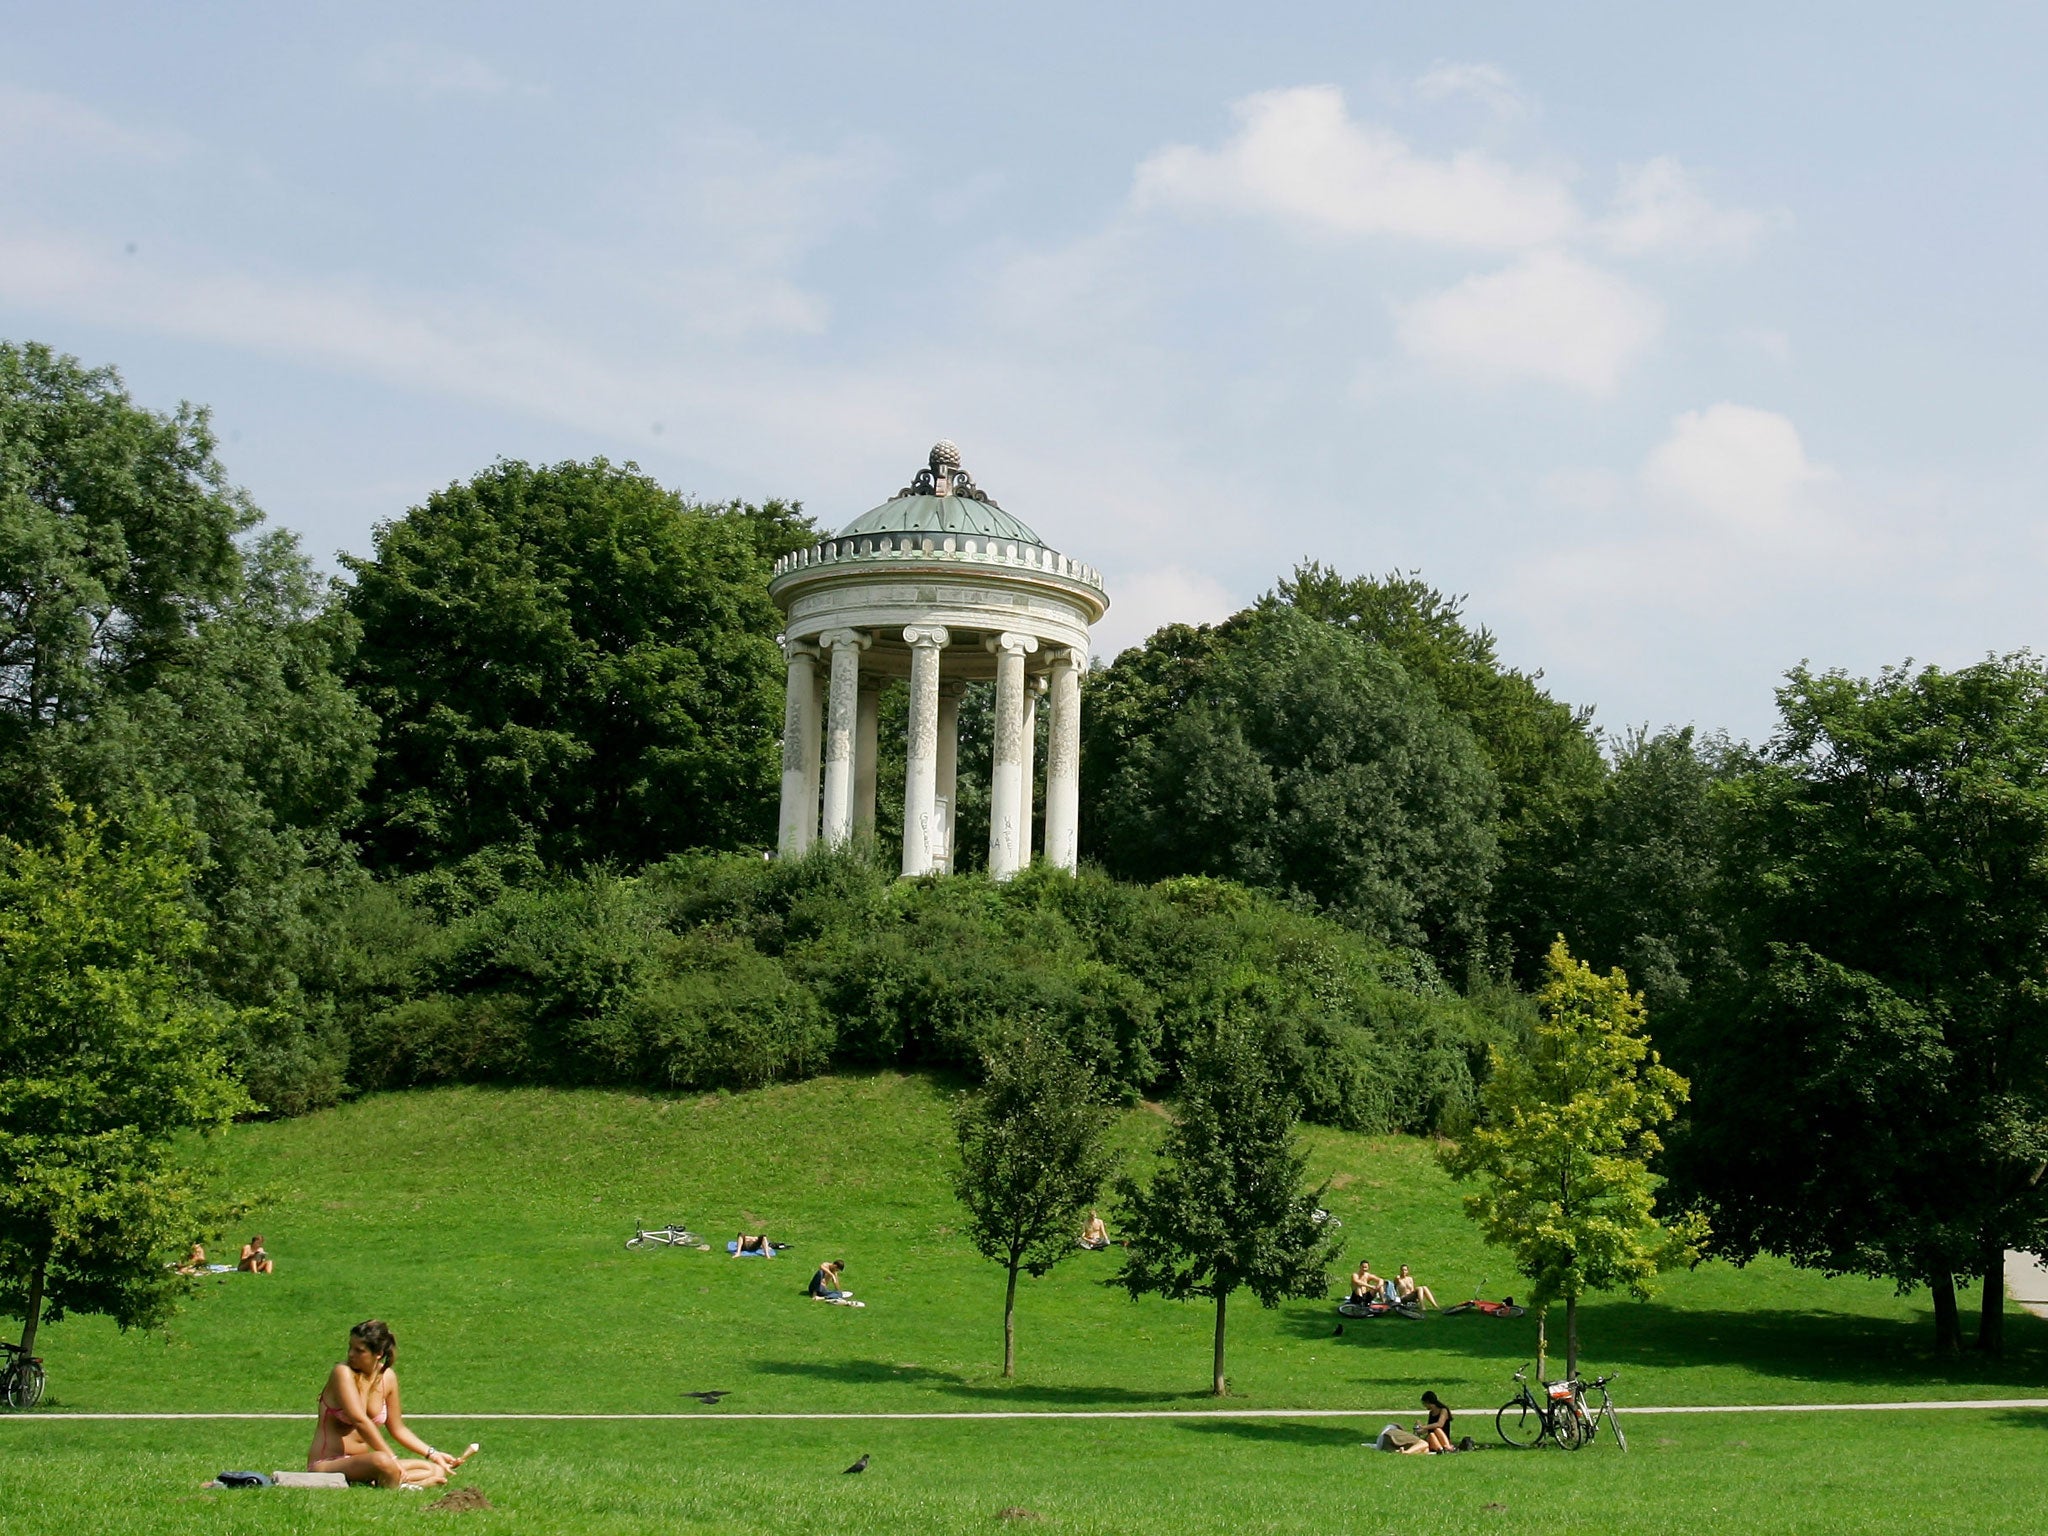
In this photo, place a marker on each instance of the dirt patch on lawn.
(460, 1501)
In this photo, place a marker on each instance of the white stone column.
(1006, 798)
(799, 737)
(1028, 775)
(866, 753)
(950, 695)
(1063, 764)
(921, 775)
(843, 646)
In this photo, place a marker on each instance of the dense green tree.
(153, 640)
(1545, 755)
(1034, 1155)
(1226, 1210)
(575, 658)
(111, 1047)
(1874, 1084)
(1562, 1156)
(1292, 756)
(1638, 884)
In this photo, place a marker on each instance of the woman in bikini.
(358, 1407)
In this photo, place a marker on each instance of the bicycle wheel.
(1519, 1424)
(637, 1240)
(1458, 1306)
(1567, 1429)
(25, 1383)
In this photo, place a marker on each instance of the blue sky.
(1689, 343)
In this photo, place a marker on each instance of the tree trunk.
(1222, 1298)
(1542, 1341)
(1948, 1331)
(33, 1316)
(1991, 1306)
(1010, 1324)
(1571, 1337)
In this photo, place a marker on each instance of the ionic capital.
(837, 637)
(922, 635)
(1067, 656)
(792, 649)
(1022, 645)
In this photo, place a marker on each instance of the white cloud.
(1736, 467)
(1142, 602)
(1487, 84)
(432, 73)
(1658, 206)
(1549, 317)
(42, 123)
(1298, 156)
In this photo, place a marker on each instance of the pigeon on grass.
(858, 1466)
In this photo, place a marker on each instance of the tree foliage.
(110, 1047)
(574, 658)
(1545, 755)
(1874, 1082)
(154, 642)
(1292, 756)
(1033, 1156)
(1562, 1158)
(1226, 1210)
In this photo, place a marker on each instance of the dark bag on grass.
(243, 1480)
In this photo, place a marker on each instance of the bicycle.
(1589, 1417)
(1505, 1308)
(21, 1378)
(661, 1237)
(1526, 1421)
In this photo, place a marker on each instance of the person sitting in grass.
(1365, 1285)
(754, 1243)
(825, 1283)
(195, 1261)
(254, 1260)
(1409, 1289)
(1436, 1433)
(1094, 1236)
(359, 1406)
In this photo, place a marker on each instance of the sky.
(1689, 343)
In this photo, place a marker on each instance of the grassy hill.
(487, 1227)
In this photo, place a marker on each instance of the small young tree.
(107, 1052)
(1226, 1208)
(1033, 1157)
(1562, 1158)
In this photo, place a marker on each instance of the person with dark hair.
(1410, 1289)
(1437, 1431)
(825, 1283)
(753, 1243)
(254, 1260)
(359, 1407)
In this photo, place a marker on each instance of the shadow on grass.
(1816, 1345)
(2020, 1418)
(1305, 1436)
(875, 1373)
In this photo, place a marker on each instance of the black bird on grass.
(708, 1397)
(1339, 1333)
(858, 1466)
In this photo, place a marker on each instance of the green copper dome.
(942, 499)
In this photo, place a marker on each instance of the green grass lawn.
(487, 1227)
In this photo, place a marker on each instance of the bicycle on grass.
(661, 1237)
(21, 1378)
(1526, 1420)
(1589, 1416)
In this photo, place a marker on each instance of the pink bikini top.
(376, 1418)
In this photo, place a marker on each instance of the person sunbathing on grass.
(754, 1243)
(1365, 1285)
(254, 1260)
(195, 1261)
(1409, 1289)
(825, 1283)
(359, 1407)
(1094, 1236)
(1436, 1434)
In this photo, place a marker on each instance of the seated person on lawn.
(1094, 1236)
(1365, 1285)
(1409, 1289)
(825, 1283)
(753, 1243)
(254, 1260)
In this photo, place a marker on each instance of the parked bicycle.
(1505, 1308)
(1589, 1415)
(1527, 1420)
(662, 1237)
(21, 1377)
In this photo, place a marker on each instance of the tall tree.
(1033, 1156)
(111, 1048)
(575, 658)
(1545, 755)
(155, 641)
(1895, 939)
(1226, 1210)
(1562, 1158)
(1287, 754)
